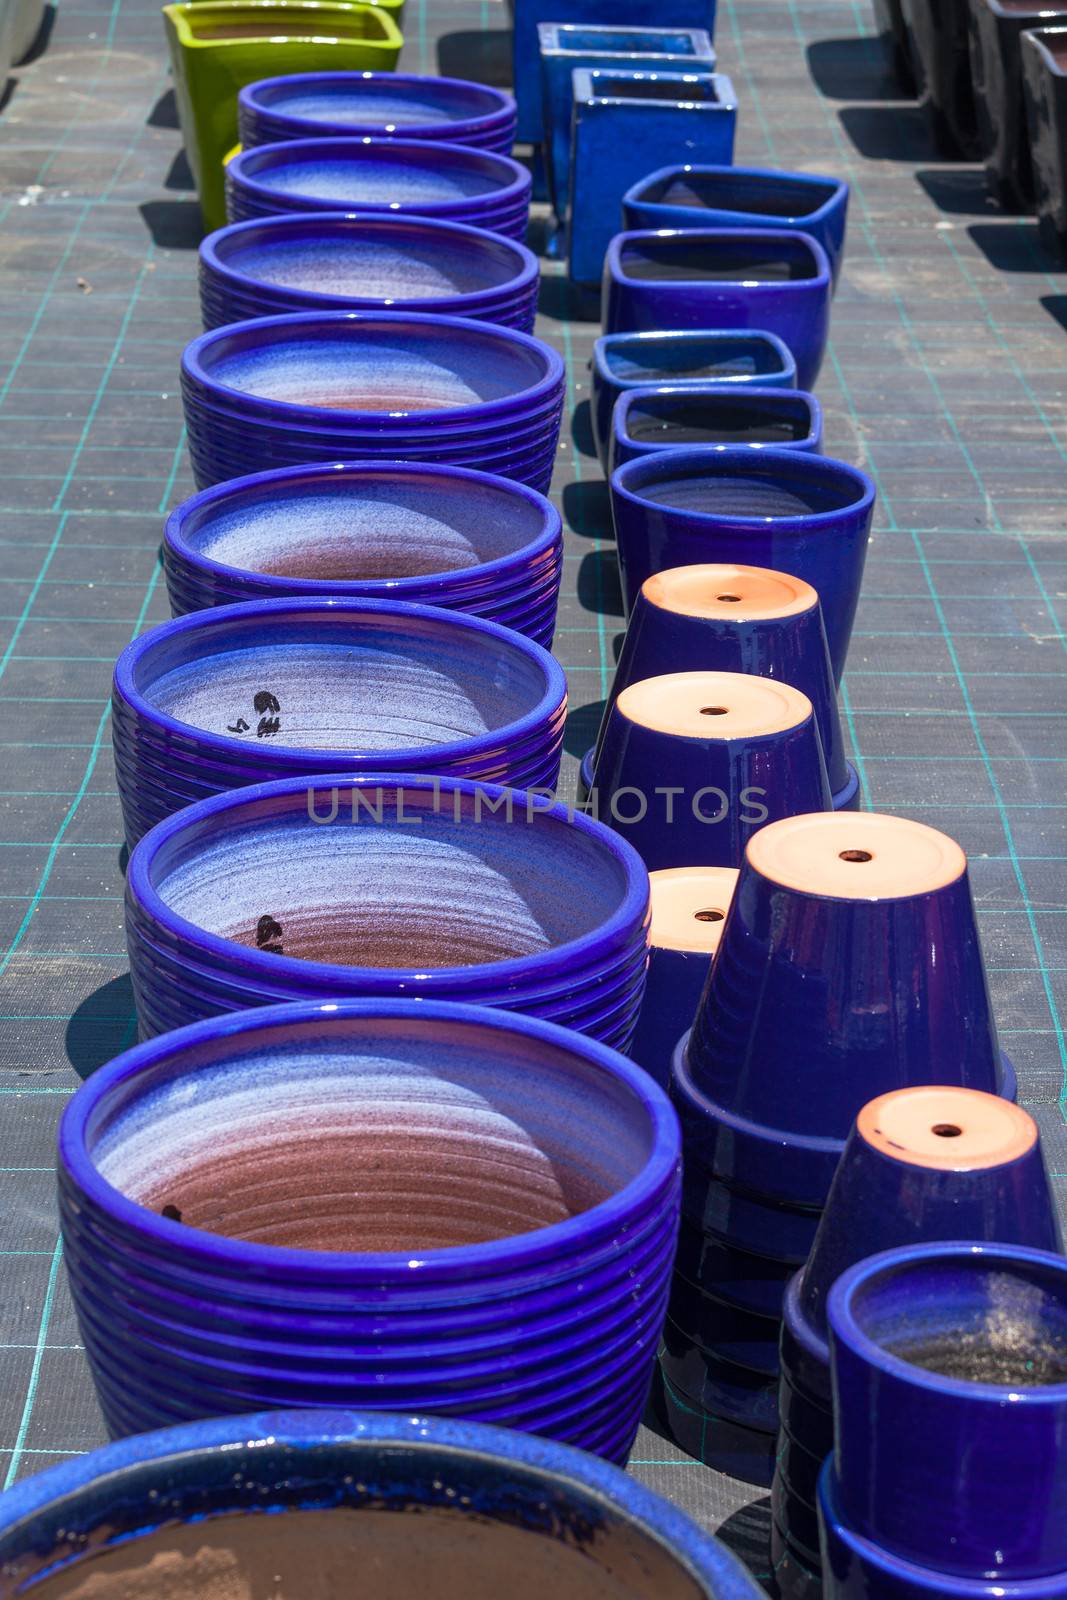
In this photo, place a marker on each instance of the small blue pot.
(339, 262)
(803, 514)
(348, 105)
(690, 196)
(681, 359)
(722, 278)
(244, 694)
(442, 536)
(387, 887)
(713, 414)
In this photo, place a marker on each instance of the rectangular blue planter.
(526, 65)
(626, 124)
(564, 46)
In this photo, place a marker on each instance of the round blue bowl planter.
(802, 514)
(345, 105)
(691, 196)
(711, 414)
(337, 261)
(244, 694)
(443, 536)
(387, 886)
(417, 177)
(488, 1163)
(305, 388)
(727, 278)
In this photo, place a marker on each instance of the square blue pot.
(526, 65)
(626, 124)
(564, 46)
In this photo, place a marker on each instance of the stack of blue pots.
(349, 105)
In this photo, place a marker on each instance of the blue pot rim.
(647, 469)
(501, 107)
(633, 909)
(786, 238)
(585, 79)
(532, 722)
(325, 472)
(437, 228)
(643, 1191)
(289, 412)
(795, 399)
(759, 336)
(637, 192)
(846, 1330)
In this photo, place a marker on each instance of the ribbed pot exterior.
(342, 105)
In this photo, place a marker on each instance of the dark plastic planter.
(1044, 62)
(997, 70)
(939, 52)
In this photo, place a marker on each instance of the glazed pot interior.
(620, 42)
(727, 191)
(371, 1134)
(971, 1318)
(369, 886)
(660, 360)
(759, 493)
(731, 418)
(248, 22)
(693, 91)
(689, 259)
(370, 526)
(365, 102)
(392, 262)
(371, 176)
(329, 682)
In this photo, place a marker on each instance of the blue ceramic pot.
(386, 887)
(339, 262)
(803, 514)
(270, 689)
(747, 1338)
(713, 414)
(346, 105)
(421, 177)
(690, 196)
(722, 278)
(297, 389)
(441, 536)
(334, 1474)
(692, 764)
(397, 1218)
(734, 1448)
(950, 1398)
(743, 1278)
(681, 359)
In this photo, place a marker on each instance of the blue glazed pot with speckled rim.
(443, 536)
(345, 105)
(398, 1204)
(578, 1520)
(270, 689)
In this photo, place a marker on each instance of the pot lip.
(637, 192)
(253, 613)
(633, 907)
(701, 35)
(704, 1556)
(499, 105)
(643, 1190)
(335, 323)
(1039, 39)
(608, 342)
(845, 1330)
(324, 473)
(789, 238)
(178, 15)
(774, 397)
(585, 78)
(647, 469)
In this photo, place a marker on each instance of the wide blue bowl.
(713, 415)
(344, 262)
(441, 536)
(422, 177)
(316, 105)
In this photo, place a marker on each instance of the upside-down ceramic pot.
(692, 196)
(760, 418)
(388, 887)
(218, 46)
(920, 1165)
(939, 54)
(890, 25)
(678, 358)
(346, 105)
(799, 513)
(443, 536)
(997, 72)
(624, 124)
(722, 278)
(343, 262)
(949, 1476)
(1044, 66)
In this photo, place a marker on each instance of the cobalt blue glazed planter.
(939, 53)
(690, 196)
(718, 1412)
(759, 418)
(745, 1278)
(396, 1218)
(346, 105)
(387, 887)
(339, 262)
(405, 1497)
(419, 177)
(302, 388)
(1044, 65)
(679, 358)
(797, 513)
(243, 694)
(624, 124)
(443, 536)
(722, 278)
